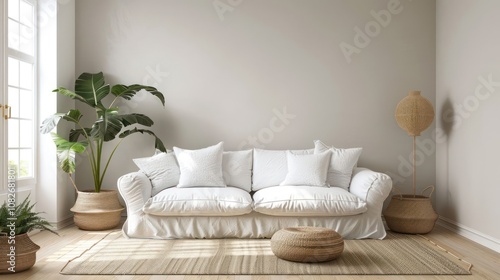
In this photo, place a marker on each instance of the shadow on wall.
(447, 122)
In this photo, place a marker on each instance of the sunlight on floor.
(111, 246)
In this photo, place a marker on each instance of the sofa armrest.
(135, 188)
(372, 187)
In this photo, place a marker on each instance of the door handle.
(9, 111)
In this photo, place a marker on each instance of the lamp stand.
(414, 167)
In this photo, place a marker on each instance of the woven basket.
(412, 214)
(97, 211)
(307, 244)
(25, 253)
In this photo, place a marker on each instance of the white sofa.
(253, 204)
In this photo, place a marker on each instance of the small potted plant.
(17, 250)
(97, 209)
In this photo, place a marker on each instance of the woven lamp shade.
(414, 113)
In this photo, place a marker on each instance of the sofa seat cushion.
(209, 201)
(307, 201)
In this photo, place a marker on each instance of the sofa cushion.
(227, 201)
(161, 169)
(342, 163)
(200, 168)
(270, 167)
(237, 169)
(306, 170)
(307, 201)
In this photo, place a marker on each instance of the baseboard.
(64, 223)
(469, 233)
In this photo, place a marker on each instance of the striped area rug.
(396, 255)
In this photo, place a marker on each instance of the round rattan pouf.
(307, 244)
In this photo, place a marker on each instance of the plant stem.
(111, 105)
(90, 155)
(97, 173)
(73, 182)
(110, 157)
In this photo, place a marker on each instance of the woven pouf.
(307, 244)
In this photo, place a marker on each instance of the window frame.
(6, 53)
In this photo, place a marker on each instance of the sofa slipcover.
(369, 186)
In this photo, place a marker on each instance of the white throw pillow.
(200, 168)
(307, 170)
(270, 167)
(199, 202)
(307, 201)
(161, 169)
(342, 164)
(237, 169)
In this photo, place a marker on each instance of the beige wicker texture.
(307, 244)
(411, 214)
(97, 211)
(25, 253)
(414, 113)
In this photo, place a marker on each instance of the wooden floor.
(57, 250)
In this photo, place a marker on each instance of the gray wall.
(228, 71)
(468, 98)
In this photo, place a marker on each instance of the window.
(20, 89)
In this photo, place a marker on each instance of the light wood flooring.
(57, 250)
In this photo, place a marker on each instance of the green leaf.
(106, 127)
(110, 123)
(158, 143)
(70, 94)
(25, 219)
(127, 92)
(92, 88)
(73, 115)
(50, 123)
(66, 151)
(74, 134)
(134, 118)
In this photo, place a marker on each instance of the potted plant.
(17, 250)
(97, 209)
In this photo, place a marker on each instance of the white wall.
(467, 160)
(55, 196)
(225, 74)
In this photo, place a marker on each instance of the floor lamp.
(412, 213)
(414, 114)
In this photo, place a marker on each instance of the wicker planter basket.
(97, 211)
(412, 214)
(25, 254)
